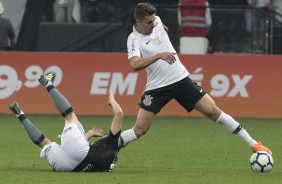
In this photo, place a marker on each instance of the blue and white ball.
(261, 161)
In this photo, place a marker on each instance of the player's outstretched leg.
(62, 104)
(233, 126)
(34, 133)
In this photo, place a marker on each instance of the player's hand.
(111, 98)
(95, 132)
(167, 56)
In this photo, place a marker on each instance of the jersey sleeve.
(133, 47)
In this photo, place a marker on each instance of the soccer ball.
(261, 161)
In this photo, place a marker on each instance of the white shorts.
(73, 149)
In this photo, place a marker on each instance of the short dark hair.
(144, 9)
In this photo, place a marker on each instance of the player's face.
(146, 25)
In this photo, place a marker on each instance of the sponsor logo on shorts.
(47, 150)
(66, 130)
(147, 100)
(87, 168)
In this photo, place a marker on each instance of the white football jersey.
(160, 73)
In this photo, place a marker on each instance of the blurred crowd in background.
(233, 26)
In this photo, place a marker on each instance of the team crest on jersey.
(158, 40)
(147, 100)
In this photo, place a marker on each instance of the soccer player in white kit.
(149, 48)
(75, 153)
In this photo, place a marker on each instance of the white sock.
(231, 125)
(245, 136)
(127, 137)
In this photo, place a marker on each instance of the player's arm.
(118, 114)
(138, 63)
(94, 132)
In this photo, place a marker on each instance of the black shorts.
(105, 151)
(185, 92)
(101, 155)
(107, 144)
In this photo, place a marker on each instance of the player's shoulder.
(158, 19)
(133, 36)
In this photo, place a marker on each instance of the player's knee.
(139, 131)
(44, 142)
(70, 118)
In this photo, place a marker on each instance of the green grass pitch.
(175, 150)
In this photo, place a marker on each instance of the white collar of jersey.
(139, 34)
(142, 35)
